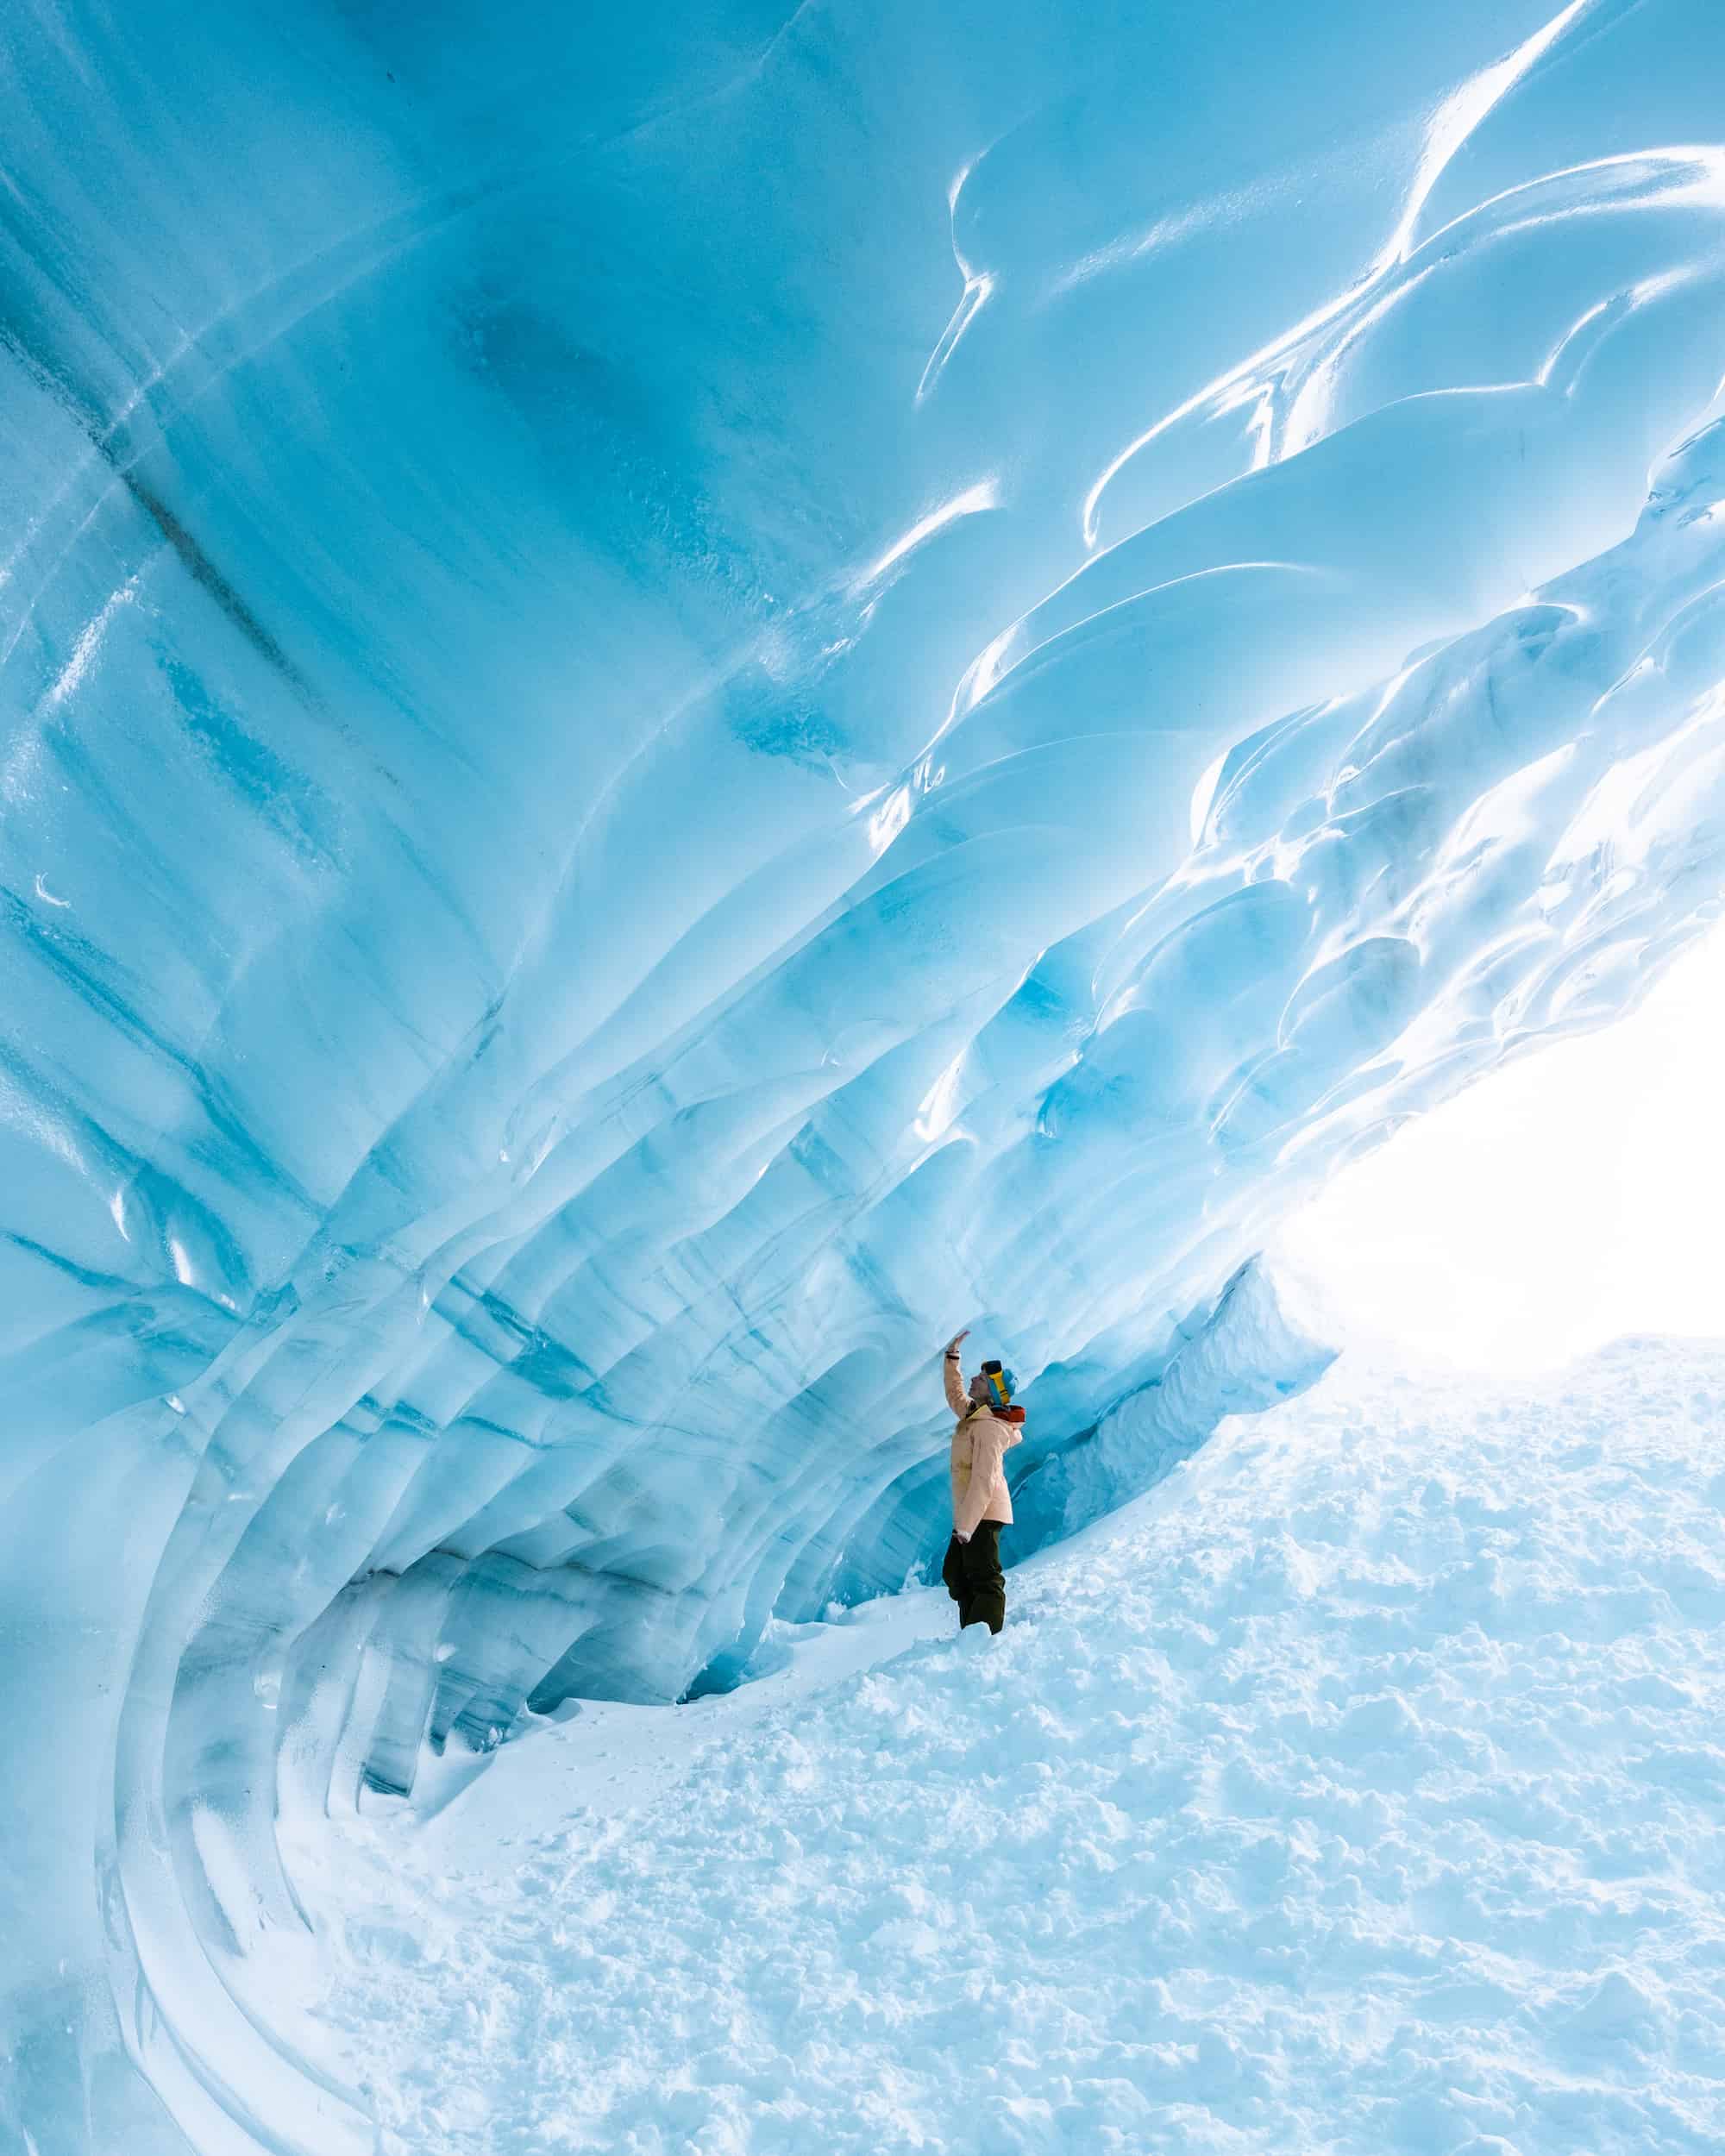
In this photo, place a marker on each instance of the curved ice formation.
(687, 701)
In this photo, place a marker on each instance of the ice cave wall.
(688, 698)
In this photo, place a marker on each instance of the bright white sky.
(1575, 1197)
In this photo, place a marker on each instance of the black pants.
(974, 1578)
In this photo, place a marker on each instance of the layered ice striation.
(688, 698)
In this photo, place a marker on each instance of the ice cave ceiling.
(691, 694)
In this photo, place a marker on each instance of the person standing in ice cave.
(981, 1504)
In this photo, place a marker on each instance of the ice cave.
(689, 701)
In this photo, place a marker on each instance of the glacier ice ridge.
(690, 699)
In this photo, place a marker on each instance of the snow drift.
(687, 700)
(1357, 1789)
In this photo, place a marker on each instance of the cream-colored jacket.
(979, 1442)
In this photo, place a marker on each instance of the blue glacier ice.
(691, 696)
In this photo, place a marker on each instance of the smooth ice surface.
(1358, 1789)
(688, 696)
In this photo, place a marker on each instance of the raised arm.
(957, 1393)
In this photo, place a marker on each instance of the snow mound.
(1360, 1789)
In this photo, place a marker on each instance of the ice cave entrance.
(1575, 1196)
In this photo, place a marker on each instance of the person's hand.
(958, 1341)
(963, 1537)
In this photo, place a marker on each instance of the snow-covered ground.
(1360, 1790)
